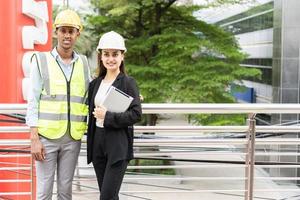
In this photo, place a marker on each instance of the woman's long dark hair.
(101, 70)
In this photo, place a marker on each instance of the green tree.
(173, 56)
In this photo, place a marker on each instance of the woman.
(110, 134)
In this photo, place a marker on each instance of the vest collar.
(57, 57)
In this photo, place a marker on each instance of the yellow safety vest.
(62, 105)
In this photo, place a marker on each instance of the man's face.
(66, 36)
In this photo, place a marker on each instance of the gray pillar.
(286, 78)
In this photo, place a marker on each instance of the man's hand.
(37, 148)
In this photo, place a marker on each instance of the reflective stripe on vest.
(55, 112)
(52, 116)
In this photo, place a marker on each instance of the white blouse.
(103, 88)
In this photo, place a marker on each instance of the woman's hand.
(99, 112)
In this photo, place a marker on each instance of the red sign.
(25, 27)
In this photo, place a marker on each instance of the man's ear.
(78, 33)
(55, 33)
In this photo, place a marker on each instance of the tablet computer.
(116, 100)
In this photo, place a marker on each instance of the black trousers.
(109, 176)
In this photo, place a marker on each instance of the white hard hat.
(111, 40)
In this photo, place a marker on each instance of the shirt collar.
(55, 54)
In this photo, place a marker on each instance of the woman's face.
(112, 59)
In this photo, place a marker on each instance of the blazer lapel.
(118, 82)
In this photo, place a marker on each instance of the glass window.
(266, 76)
(258, 18)
(261, 62)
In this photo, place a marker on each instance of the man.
(56, 110)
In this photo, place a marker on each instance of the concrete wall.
(286, 79)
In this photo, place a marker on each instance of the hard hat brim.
(68, 25)
(121, 49)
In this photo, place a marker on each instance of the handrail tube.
(13, 108)
(191, 160)
(196, 144)
(278, 178)
(206, 166)
(177, 178)
(14, 129)
(204, 140)
(15, 155)
(216, 161)
(295, 165)
(229, 164)
(15, 180)
(14, 142)
(188, 191)
(216, 129)
(189, 108)
(162, 129)
(187, 178)
(12, 163)
(165, 191)
(190, 129)
(141, 129)
(195, 153)
(15, 193)
(176, 166)
(14, 168)
(276, 154)
(224, 108)
(9, 142)
(14, 151)
(277, 190)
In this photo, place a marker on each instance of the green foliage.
(219, 120)
(216, 3)
(143, 162)
(173, 56)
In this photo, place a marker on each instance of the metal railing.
(174, 148)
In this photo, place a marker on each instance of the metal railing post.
(31, 177)
(250, 157)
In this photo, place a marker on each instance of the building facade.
(268, 31)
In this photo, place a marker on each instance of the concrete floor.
(176, 190)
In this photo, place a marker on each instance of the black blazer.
(117, 126)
